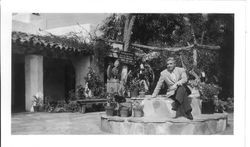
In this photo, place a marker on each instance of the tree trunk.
(202, 37)
(129, 22)
(130, 19)
(125, 27)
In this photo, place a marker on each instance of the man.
(176, 79)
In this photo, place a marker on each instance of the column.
(33, 79)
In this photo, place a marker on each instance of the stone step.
(201, 125)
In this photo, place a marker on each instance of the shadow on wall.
(59, 78)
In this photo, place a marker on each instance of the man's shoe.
(189, 116)
(175, 106)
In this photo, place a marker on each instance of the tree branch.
(210, 47)
(174, 49)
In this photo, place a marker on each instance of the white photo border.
(238, 8)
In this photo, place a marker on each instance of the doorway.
(18, 84)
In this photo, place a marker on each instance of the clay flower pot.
(134, 93)
(142, 94)
(124, 112)
(36, 108)
(109, 110)
(207, 106)
(138, 113)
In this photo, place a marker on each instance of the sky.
(67, 19)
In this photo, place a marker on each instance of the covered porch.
(45, 66)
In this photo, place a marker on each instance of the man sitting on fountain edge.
(176, 79)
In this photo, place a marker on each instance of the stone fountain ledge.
(202, 124)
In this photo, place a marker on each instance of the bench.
(84, 102)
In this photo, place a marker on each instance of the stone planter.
(36, 108)
(141, 94)
(109, 110)
(124, 112)
(138, 113)
(207, 106)
(204, 124)
(134, 93)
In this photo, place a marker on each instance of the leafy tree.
(175, 30)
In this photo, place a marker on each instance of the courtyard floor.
(68, 123)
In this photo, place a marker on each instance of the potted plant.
(134, 87)
(142, 90)
(110, 106)
(209, 93)
(37, 103)
(137, 109)
(94, 85)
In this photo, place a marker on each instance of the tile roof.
(23, 43)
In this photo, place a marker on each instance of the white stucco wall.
(81, 65)
(33, 79)
(28, 23)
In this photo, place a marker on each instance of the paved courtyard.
(67, 123)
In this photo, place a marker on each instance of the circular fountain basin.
(201, 124)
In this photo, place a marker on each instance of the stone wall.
(201, 125)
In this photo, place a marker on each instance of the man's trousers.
(181, 97)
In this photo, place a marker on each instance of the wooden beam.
(173, 49)
(209, 47)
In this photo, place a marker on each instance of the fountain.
(159, 119)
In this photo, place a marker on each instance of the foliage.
(208, 91)
(73, 40)
(172, 30)
(94, 82)
(47, 104)
(140, 71)
(137, 105)
(78, 93)
(133, 83)
(168, 29)
(72, 95)
(229, 104)
(208, 61)
(38, 101)
(111, 100)
(90, 44)
(101, 50)
(72, 106)
(103, 94)
(112, 27)
(141, 87)
(226, 105)
(62, 106)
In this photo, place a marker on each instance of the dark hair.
(171, 58)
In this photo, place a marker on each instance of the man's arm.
(183, 79)
(158, 86)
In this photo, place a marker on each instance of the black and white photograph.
(110, 73)
(122, 74)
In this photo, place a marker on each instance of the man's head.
(170, 64)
